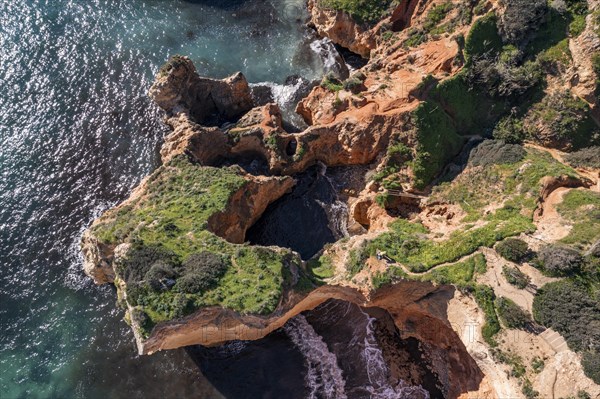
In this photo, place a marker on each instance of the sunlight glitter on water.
(78, 133)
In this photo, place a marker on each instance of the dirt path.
(550, 225)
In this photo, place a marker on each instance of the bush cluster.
(585, 158)
(513, 249)
(512, 315)
(363, 11)
(201, 271)
(516, 277)
(521, 17)
(496, 152)
(561, 121)
(510, 130)
(559, 261)
(571, 309)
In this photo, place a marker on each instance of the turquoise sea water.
(77, 133)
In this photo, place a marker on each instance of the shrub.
(484, 296)
(591, 366)
(513, 249)
(516, 277)
(438, 142)
(201, 271)
(561, 121)
(354, 85)
(483, 38)
(511, 314)
(493, 152)
(559, 261)
(520, 18)
(581, 208)
(140, 258)
(528, 390)
(357, 259)
(510, 130)
(159, 274)
(363, 11)
(331, 83)
(571, 309)
(585, 158)
(537, 365)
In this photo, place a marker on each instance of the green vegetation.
(484, 296)
(578, 10)
(520, 18)
(175, 265)
(332, 83)
(559, 261)
(431, 25)
(582, 209)
(491, 152)
(512, 315)
(562, 121)
(591, 365)
(363, 11)
(570, 307)
(516, 277)
(517, 184)
(528, 390)
(537, 364)
(513, 249)
(321, 268)
(461, 274)
(585, 158)
(557, 54)
(513, 360)
(483, 38)
(510, 130)
(357, 259)
(398, 154)
(438, 142)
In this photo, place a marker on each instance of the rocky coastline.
(176, 249)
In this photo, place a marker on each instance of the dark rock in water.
(262, 94)
(299, 220)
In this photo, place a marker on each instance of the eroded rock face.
(342, 29)
(418, 310)
(246, 206)
(97, 259)
(178, 88)
(583, 47)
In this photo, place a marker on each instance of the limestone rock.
(178, 88)
(342, 29)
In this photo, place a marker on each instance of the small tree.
(513, 249)
(516, 277)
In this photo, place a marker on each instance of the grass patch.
(408, 244)
(175, 266)
(460, 274)
(581, 208)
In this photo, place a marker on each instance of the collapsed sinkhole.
(306, 219)
(339, 346)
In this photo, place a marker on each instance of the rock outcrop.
(179, 89)
(342, 29)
